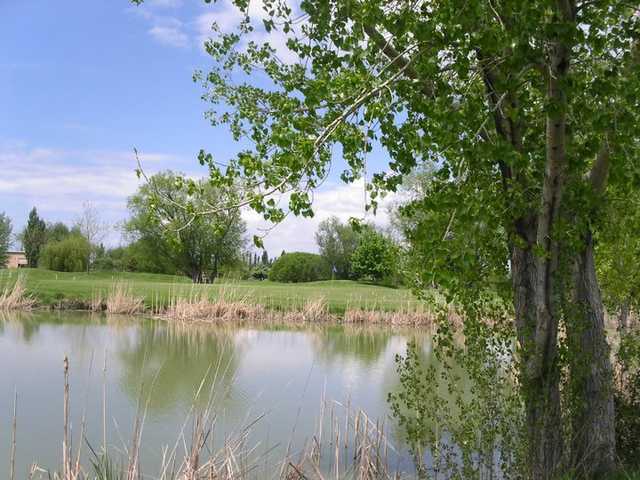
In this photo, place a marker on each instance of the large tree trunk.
(593, 441)
(540, 373)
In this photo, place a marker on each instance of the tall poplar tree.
(33, 237)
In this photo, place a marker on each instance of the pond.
(280, 381)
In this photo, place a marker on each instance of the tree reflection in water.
(336, 343)
(170, 363)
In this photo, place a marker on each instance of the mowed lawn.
(50, 288)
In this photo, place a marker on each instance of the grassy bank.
(55, 288)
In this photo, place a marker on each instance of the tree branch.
(398, 59)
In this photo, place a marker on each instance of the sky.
(84, 82)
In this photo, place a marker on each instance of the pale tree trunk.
(593, 416)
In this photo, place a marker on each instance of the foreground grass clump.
(14, 296)
(346, 445)
(82, 290)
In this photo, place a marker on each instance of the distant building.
(16, 260)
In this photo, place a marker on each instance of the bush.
(299, 267)
(375, 258)
(260, 272)
(68, 255)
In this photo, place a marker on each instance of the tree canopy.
(70, 254)
(337, 241)
(162, 220)
(376, 257)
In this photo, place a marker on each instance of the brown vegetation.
(122, 300)
(230, 308)
(15, 297)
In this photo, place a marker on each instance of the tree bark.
(540, 384)
(593, 418)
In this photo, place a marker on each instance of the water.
(156, 367)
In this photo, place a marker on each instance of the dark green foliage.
(265, 258)
(67, 255)
(337, 242)
(34, 237)
(300, 267)
(453, 252)
(5, 238)
(627, 399)
(376, 256)
(57, 231)
(138, 256)
(260, 272)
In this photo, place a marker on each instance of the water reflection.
(339, 343)
(179, 366)
(283, 372)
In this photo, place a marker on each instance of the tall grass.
(230, 307)
(15, 297)
(121, 299)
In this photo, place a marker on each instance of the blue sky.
(83, 82)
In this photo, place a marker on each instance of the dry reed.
(227, 308)
(15, 297)
(354, 448)
(122, 300)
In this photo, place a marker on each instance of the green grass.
(51, 288)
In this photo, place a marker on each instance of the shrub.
(68, 255)
(260, 272)
(299, 267)
(375, 258)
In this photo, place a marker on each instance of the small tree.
(5, 238)
(265, 258)
(375, 256)
(196, 245)
(68, 255)
(337, 242)
(33, 237)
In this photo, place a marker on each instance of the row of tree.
(57, 247)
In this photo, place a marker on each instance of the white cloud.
(165, 29)
(58, 181)
(171, 34)
(227, 16)
(298, 234)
